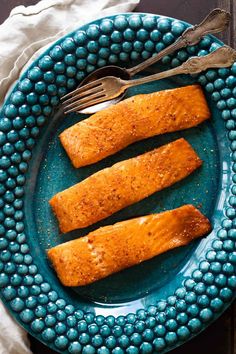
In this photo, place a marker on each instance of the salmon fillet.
(115, 247)
(134, 119)
(123, 184)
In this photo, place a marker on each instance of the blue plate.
(161, 303)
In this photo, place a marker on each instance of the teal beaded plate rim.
(203, 285)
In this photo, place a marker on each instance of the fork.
(110, 87)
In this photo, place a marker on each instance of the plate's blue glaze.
(163, 302)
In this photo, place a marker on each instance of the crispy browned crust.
(134, 119)
(116, 247)
(123, 184)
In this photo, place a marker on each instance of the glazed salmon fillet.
(134, 119)
(113, 248)
(123, 184)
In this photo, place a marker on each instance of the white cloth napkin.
(22, 38)
(13, 339)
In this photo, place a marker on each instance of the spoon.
(216, 21)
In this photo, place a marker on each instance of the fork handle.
(216, 21)
(221, 57)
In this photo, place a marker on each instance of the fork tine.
(82, 88)
(86, 93)
(87, 104)
(85, 99)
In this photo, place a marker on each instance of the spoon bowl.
(111, 70)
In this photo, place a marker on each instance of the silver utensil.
(215, 21)
(110, 87)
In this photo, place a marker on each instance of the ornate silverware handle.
(216, 21)
(221, 57)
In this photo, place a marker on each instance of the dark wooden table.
(219, 338)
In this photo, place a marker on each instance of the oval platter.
(161, 303)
